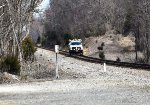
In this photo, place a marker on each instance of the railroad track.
(108, 62)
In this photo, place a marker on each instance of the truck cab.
(75, 47)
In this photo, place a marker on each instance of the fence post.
(104, 67)
(57, 51)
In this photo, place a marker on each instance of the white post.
(104, 67)
(57, 51)
(57, 74)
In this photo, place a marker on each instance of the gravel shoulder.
(74, 92)
(81, 83)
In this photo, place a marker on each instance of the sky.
(44, 5)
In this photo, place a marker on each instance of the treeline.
(86, 18)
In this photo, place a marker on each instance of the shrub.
(38, 40)
(118, 59)
(43, 40)
(96, 41)
(100, 48)
(28, 49)
(103, 44)
(10, 64)
(140, 60)
(66, 38)
(101, 55)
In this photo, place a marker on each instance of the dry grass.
(125, 43)
(6, 104)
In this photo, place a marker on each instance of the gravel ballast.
(92, 70)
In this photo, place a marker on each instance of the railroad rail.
(108, 62)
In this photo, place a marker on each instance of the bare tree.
(15, 17)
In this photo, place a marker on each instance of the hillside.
(114, 46)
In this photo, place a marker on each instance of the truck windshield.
(75, 43)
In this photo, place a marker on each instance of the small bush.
(141, 60)
(28, 49)
(100, 48)
(103, 44)
(101, 55)
(118, 59)
(10, 64)
(67, 37)
(43, 40)
(38, 40)
(96, 41)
